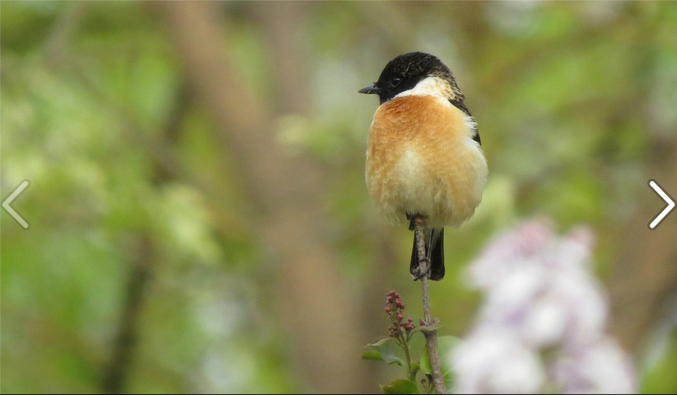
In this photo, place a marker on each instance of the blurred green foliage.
(570, 98)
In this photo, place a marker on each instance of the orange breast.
(421, 159)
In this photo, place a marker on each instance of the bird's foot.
(418, 273)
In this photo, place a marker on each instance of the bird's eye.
(395, 82)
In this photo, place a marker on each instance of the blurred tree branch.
(116, 373)
(63, 29)
(283, 25)
(145, 259)
(287, 191)
(164, 168)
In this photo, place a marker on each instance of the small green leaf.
(381, 342)
(425, 362)
(372, 355)
(415, 368)
(400, 387)
(449, 380)
(383, 350)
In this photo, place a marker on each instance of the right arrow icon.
(666, 210)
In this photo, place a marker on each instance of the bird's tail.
(434, 248)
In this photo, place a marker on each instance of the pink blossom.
(541, 298)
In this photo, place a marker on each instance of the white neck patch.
(430, 86)
(441, 90)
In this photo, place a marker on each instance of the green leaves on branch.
(397, 349)
(400, 387)
(383, 350)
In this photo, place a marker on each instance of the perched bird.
(424, 157)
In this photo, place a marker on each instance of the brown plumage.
(421, 159)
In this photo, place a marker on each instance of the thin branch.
(119, 366)
(428, 320)
(63, 29)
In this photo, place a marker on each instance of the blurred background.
(199, 220)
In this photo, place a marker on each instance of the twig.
(428, 320)
(119, 367)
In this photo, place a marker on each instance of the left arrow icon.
(6, 204)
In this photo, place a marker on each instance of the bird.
(424, 155)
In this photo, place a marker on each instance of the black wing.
(461, 106)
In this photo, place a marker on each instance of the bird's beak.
(371, 89)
